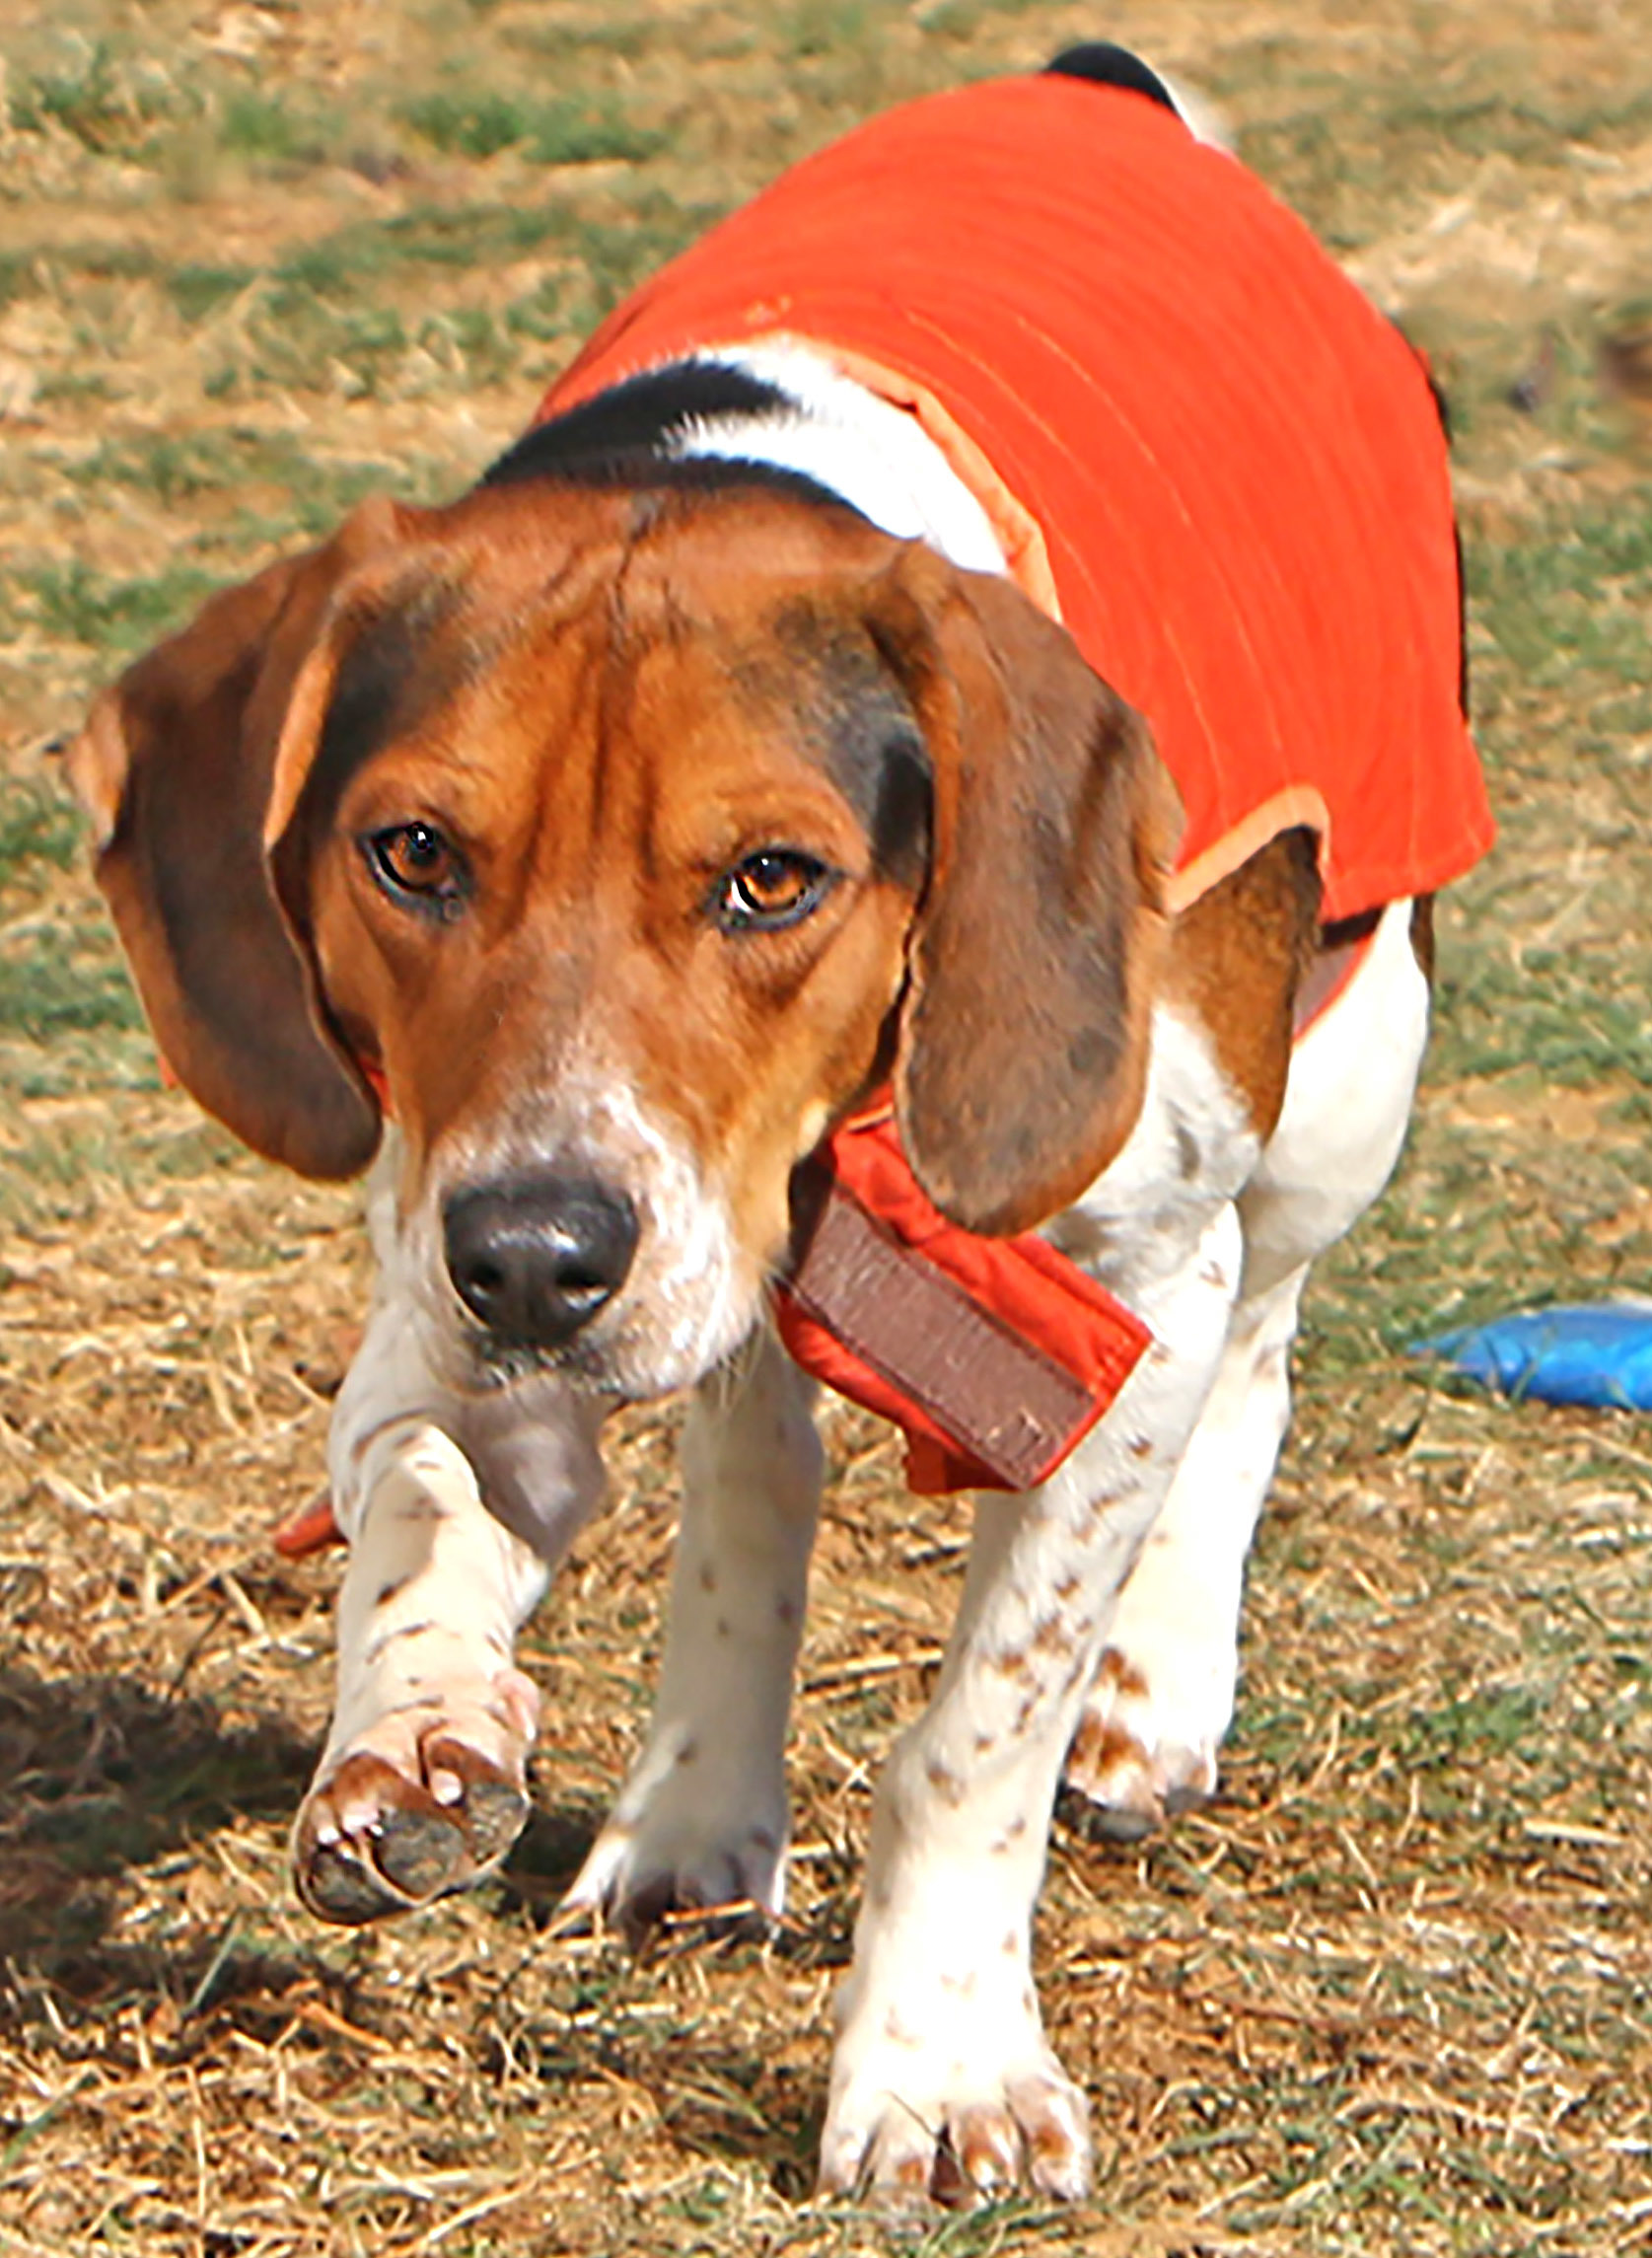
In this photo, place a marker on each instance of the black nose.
(535, 1260)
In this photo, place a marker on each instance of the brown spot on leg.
(1099, 1744)
(1053, 1636)
(1110, 1783)
(1116, 1674)
(947, 1785)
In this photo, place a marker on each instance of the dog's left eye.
(770, 890)
(414, 861)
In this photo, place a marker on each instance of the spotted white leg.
(703, 1818)
(421, 1785)
(942, 2080)
(1164, 1690)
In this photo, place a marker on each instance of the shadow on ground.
(102, 1775)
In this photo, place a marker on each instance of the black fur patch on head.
(1101, 63)
(868, 737)
(392, 674)
(877, 758)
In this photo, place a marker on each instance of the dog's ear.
(1023, 1032)
(175, 768)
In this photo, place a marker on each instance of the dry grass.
(1391, 1994)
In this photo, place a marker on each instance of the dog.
(968, 657)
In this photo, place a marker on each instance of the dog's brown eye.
(414, 859)
(770, 890)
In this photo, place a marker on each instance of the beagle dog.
(982, 627)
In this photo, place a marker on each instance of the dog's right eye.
(415, 864)
(771, 890)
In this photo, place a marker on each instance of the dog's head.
(626, 841)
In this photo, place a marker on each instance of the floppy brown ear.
(175, 766)
(1022, 1046)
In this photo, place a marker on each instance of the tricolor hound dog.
(742, 747)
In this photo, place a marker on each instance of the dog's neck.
(844, 438)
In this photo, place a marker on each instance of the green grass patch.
(37, 825)
(272, 130)
(1573, 592)
(628, 37)
(197, 290)
(60, 985)
(74, 602)
(456, 235)
(481, 121)
(109, 101)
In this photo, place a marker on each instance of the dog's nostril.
(535, 1259)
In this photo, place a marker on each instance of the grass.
(481, 121)
(1388, 1995)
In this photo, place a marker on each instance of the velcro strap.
(996, 1356)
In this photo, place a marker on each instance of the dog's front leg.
(703, 1818)
(421, 1785)
(943, 2081)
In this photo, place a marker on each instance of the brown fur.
(175, 765)
(1238, 955)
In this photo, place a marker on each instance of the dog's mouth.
(498, 1363)
(676, 1321)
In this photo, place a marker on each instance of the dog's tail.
(1103, 63)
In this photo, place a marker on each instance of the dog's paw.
(687, 1835)
(418, 1805)
(952, 2110)
(1137, 1757)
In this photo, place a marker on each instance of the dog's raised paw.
(387, 1829)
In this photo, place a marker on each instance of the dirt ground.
(1390, 1994)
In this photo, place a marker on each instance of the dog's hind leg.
(1164, 1690)
(701, 1821)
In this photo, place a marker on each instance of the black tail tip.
(1102, 64)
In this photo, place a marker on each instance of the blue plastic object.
(1577, 1352)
